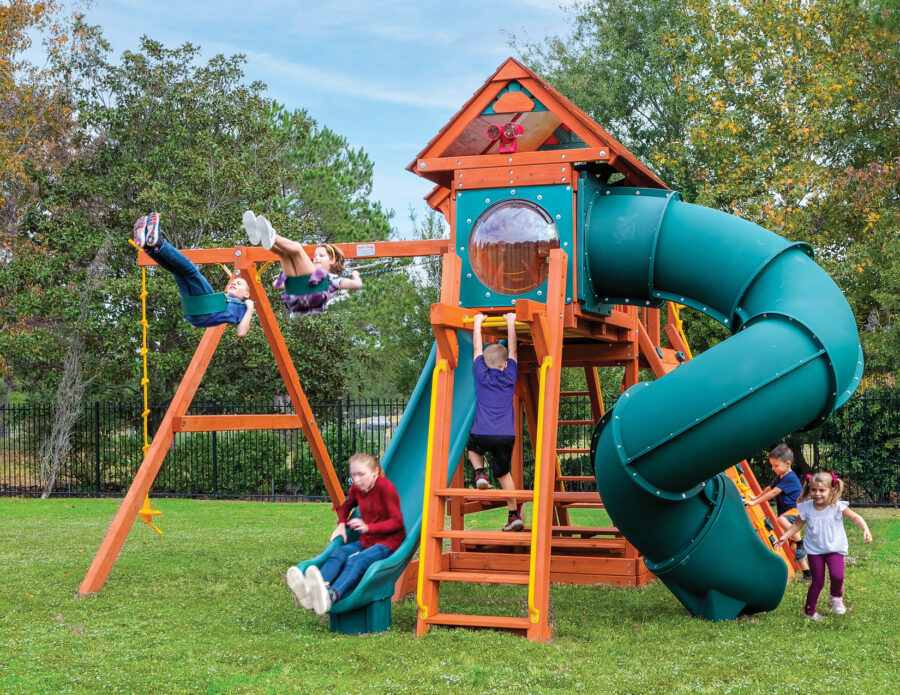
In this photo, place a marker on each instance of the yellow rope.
(146, 513)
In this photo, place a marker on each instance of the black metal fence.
(106, 450)
(861, 443)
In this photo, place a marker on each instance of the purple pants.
(835, 562)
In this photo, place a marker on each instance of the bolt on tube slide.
(793, 358)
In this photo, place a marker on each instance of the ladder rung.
(576, 497)
(492, 494)
(524, 540)
(574, 393)
(592, 530)
(573, 451)
(559, 497)
(576, 478)
(498, 537)
(489, 621)
(583, 505)
(479, 577)
(576, 422)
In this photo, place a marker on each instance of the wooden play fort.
(515, 172)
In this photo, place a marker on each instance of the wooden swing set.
(246, 262)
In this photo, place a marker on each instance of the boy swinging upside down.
(238, 307)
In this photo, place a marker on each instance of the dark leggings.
(835, 562)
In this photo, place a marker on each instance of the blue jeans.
(189, 280)
(348, 563)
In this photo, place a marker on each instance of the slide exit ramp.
(793, 359)
(368, 607)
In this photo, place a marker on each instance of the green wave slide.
(793, 358)
(368, 607)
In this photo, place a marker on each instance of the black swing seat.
(204, 304)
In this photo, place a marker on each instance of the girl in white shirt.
(822, 511)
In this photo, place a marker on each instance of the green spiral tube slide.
(793, 358)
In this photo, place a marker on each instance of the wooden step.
(571, 498)
(583, 505)
(559, 496)
(588, 530)
(523, 539)
(576, 422)
(574, 393)
(496, 622)
(576, 479)
(573, 451)
(479, 577)
(492, 494)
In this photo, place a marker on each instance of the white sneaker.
(814, 616)
(265, 231)
(318, 589)
(837, 605)
(249, 221)
(297, 583)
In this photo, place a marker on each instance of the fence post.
(97, 444)
(215, 458)
(340, 435)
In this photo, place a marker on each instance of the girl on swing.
(308, 285)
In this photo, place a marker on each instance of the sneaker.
(804, 579)
(140, 231)
(800, 554)
(265, 231)
(481, 480)
(316, 586)
(297, 583)
(837, 605)
(152, 237)
(249, 221)
(814, 616)
(514, 521)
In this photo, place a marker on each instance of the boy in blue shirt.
(494, 429)
(785, 488)
(238, 305)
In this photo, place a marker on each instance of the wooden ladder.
(546, 326)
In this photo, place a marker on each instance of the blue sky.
(386, 74)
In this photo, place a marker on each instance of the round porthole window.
(509, 246)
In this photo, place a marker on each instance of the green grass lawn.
(204, 609)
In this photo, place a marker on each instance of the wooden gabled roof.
(552, 123)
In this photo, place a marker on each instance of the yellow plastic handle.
(533, 612)
(426, 497)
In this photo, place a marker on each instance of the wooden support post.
(118, 531)
(594, 393)
(539, 628)
(457, 518)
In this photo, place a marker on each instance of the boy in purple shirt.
(494, 429)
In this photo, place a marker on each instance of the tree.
(623, 65)
(324, 185)
(36, 125)
(389, 320)
(785, 113)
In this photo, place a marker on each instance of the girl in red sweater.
(380, 524)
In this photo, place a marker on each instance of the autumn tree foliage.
(781, 111)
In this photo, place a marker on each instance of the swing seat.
(203, 304)
(301, 285)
